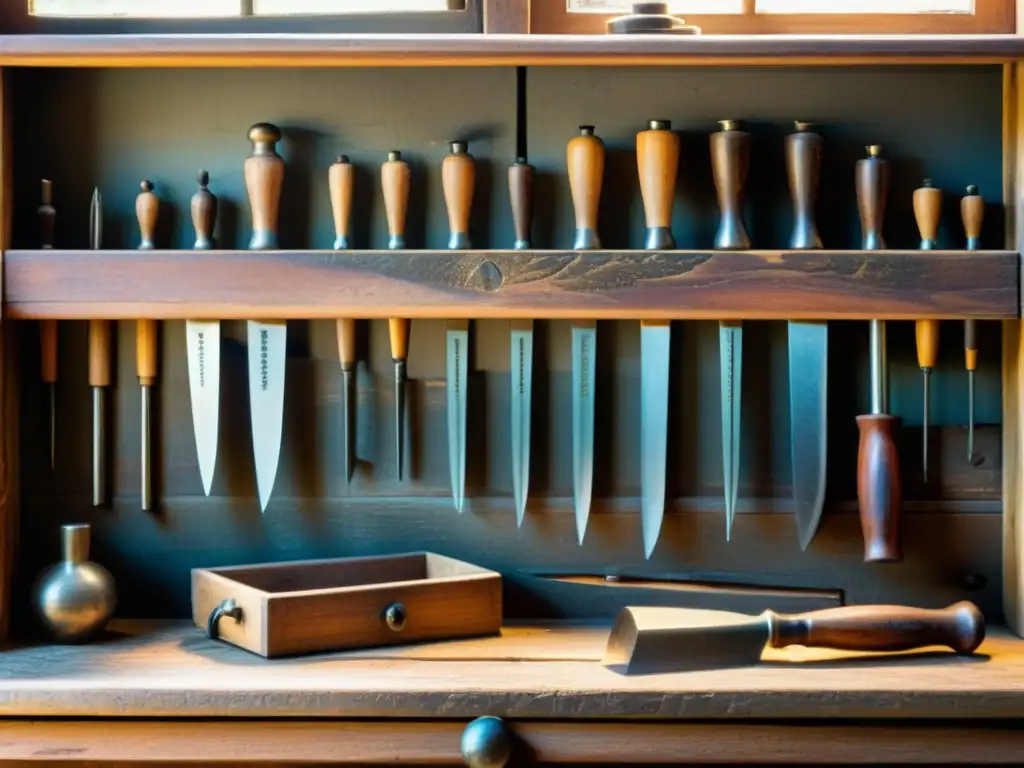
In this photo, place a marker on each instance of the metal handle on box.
(224, 608)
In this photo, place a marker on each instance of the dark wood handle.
(520, 191)
(881, 628)
(48, 349)
(146, 350)
(878, 488)
(971, 345)
(99, 353)
(264, 177)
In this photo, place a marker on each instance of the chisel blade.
(730, 345)
(202, 341)
(457, 345)
(522, 377)
(267, 355)
(655, 344)
(584, 349)
(808, 418)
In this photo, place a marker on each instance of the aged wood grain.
(509, 284)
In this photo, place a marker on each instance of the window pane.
(865, 6)
(135, 8)
(678, 6)
(297, 7)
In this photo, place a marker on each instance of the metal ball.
(486, 743)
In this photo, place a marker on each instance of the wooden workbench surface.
(173, 670)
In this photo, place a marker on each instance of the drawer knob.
(486, 743)
(395, 616)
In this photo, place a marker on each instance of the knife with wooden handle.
(972, 213)
(48, 328)
(395, 178)
(927, 212)
(147, 210)
(341, 180)
(520, 189)
(99, 367)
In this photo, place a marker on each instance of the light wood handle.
(146, 350)
(264, 176)
(458, 177)
(147, 209)
(520, 192)
(928, 211)
(972, 212)
(341, 181)
(99, 353)
(584, 158)
(927, 332)
(398, 331)
(657, 159)
(395, 178)
(347, 342)
(48, 350)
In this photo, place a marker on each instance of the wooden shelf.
(895, 285)
(312, 50)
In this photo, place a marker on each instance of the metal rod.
(99, 480)
(399, 413)
(53, 425)
(879, 369)
(146, 500)
(926, 375)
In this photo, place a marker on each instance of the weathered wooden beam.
(897, 285)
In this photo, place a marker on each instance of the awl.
(341, 180)
(972, 212)
(394, 179)
(927, 211)
(520, 189)
(147, 209)
(99, 367)
(48, 328)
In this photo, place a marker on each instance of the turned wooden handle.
(584, 157)
(972, 212)
(394, 182)
(347, 342)
(264, 176)
(99, 353)
(872, 183)
(927, 332)
(458, 177)
(657, 160)
(927, 212)
(398, 331)
(48, 350)
(147, 209)
(145, 350)
(878, 488)
(204, 212)
(881, 628)
(341, 181)
(520, 192)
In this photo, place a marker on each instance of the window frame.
(552, 17)
(15, 19)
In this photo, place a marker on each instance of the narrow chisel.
(394, 180)
(972, 212)
(520, 188)
(340, 177)
(48, 328)
(730, 160)
(585, 161)
(147, 209)
(927, 211)
(657, 159)
(808, 346)
(202, 343)
(99, 367)
(267, 339)
(878, 472)
(458, 176)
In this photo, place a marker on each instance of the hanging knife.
(585, 161)
(730, 160)
(972, 212)
(267, 339)
(202, 341)
(927, 212)
(458, 175)
(340, 177)
(99, 367)
(520, 187)
(808, 346)
(394, 179)
(147, 208)
(657, 158)
(48, 328)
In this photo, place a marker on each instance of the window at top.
(196, 9)
(785, 6)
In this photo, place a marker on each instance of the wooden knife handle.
(99, 353)
(927, 212)
(878, 488)
(657, 161)
(584, 156)
(730, 163)
(145, 350)
(147, 208)
(204, 213)
(520, 192)
(458, 178)
(881, 628)
(48, 349)
(398, 331)
(347, 343)
(341, 181)
(927, 333)
(872, 182)
(394, 182)
(264, 175)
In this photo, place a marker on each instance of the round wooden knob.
(486, 743)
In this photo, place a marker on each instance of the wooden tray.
(284, 609)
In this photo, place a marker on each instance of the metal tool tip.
(972, 189)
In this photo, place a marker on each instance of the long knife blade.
(730, 342)
(584, 349)
(808, 418)
(655, 344)
(522, 378)
(267, 355)
(99, 366)
(202, 341)
(457, 345)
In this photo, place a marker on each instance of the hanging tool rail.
(756, 284)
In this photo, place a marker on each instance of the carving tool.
(808, 346)
(730, 160)
(585, 161)
(972, 212)
(48, 328)
(657, 158)
(147, 209)
(520, 188)
(394, 179)
(267, 339)
(646, 640)
(99, 367)
(340, 177)
(927, 211)
(878, 472)
(458, 175)
(202, 343)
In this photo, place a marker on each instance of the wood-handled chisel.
(147, 210)
(341, 181)
(520, 190)
(730, 161)
(48, 328)
(99, 367)
(395, 178)
(267, 339)
(657, 160)
(458, 177)
(927, 213)
(972, 213)
(585, 155)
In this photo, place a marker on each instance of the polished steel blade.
(730, 345)
(655, 343)
(457, 345)
(584, 350)
(522, 378)
(99, 450)
(202, 342)
(267, 355)
(808, 418)
(146, 466)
